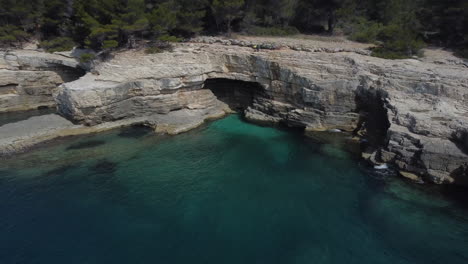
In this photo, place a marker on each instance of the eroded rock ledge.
(29, 78)
(413, 114)
(410, 113)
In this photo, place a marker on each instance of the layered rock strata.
(411, 113)
(29, 78)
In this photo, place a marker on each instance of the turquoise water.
(230, 192)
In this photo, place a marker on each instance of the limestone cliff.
(28, 78)
(412, 113)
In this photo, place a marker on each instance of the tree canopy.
(399, 27)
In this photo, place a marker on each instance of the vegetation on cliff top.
(398, 27)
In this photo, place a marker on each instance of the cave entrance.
(68, 74)
(374, 117)
(238, 95)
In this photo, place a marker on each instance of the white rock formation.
(414, 113)
(29, 78)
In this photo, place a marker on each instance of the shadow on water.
(135, 132)
(86, 144)
(457, 194)
(376, 180)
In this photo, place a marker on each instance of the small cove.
(229, 192)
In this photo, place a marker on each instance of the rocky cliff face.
(411, 113)
(29, 78)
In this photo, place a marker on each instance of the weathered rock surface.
(413, 113)
(29, 78)
(21, 136)
(328, 44)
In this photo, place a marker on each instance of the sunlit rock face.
(412, 113)
(29, 78)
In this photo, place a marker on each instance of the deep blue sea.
(229, 192)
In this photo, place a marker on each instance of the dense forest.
(400, 28)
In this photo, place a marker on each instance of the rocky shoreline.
(410, 113)
(29, 78)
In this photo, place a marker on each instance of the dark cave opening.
(68, 74)
(373, 116)
(238, 95)
(460, 138)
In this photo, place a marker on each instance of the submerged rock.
(86, 144)
(60, 171)
(134, 132)
(411, 176)
(334, 151)
(20, 136)
(104, 167)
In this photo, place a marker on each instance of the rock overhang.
(317, 90)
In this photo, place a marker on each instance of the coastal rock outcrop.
(29, 78)
(409, 113)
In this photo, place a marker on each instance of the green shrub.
(397, 43)
(169, 38)
(110, 44)
(10, 34)
(384, 53)
(272, 31)
(364, 31)
(87, 57)
(57, 44)
(7, 38)
(159, 46)
(153, 50)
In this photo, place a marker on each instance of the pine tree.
(225, 11)
(130, 19)
(54, 21)
(190, 16)
(106, 24)
(286, 10)
(162, 20)
(19, 19)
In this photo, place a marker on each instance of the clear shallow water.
(230, 192)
